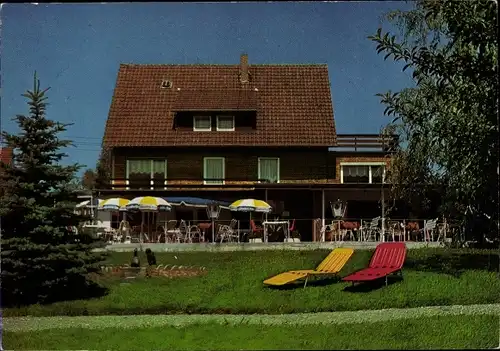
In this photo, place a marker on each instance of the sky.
(76, 50)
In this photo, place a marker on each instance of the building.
(227, 132)
(6, 155)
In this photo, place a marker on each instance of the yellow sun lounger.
(331, 265)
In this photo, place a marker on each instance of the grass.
(234, 285)
(439, 332)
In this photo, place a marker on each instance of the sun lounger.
(331, 265)
(387, 259)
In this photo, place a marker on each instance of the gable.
(292, 103)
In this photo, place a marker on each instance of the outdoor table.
(273, 223)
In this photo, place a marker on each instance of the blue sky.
(77, 48)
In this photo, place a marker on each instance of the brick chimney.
(244, 68)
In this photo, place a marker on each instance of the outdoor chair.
(443, 229)
(336, 233)
(195, 232)
(182, 233)
(429, 229)
(331, 230)
(448, 229)
(329, 267)
(347, 229)
(291, 228)
(396, 230)
(124, 228)
(372, 230)
(171, 231)
(387, 259)
(229, 232)
(255, 228)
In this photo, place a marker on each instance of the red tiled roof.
(6, 155)
(294, 105)
(220, 99)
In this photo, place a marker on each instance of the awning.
(194, 202)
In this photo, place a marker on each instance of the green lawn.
(441, 332)
(234, 285)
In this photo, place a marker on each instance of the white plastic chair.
(195, 231)
(171, 231)
(429, 229)
(372, 230)
(229, 232)
(396, 229)
(182, 233)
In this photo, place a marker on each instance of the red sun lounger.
(387, 259)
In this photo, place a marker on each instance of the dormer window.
(225, 123)
(202, 123)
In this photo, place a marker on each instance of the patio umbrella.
(148, 204)
(113, 204)
(250, 205)
(88, 204)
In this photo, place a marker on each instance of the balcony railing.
(367, 142)
(205, 183)
(164, 184)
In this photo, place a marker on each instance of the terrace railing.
(166, 183)
(157, 183)
(366, 142)
(200, 231)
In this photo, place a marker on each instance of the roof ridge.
(222, 65)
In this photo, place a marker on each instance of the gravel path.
(98, 322)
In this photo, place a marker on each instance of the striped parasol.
(114, 204)
(148, 204)
(250, 205)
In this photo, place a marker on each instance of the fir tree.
(42, 260)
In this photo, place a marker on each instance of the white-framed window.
(146, 173)
(202, 123)
(214, 170)
(355, 174)
(362, 172)
(225, 123)
(269, 169)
